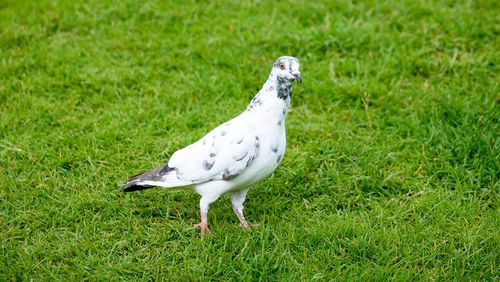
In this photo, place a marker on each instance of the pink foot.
(245, 225)
(204, 229)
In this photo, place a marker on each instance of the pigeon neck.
(275, 89)
(284, 88)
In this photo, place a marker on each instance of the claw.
(245, 225)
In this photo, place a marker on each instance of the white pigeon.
(236, 154)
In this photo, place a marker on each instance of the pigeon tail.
(163, 176)
(133, 188)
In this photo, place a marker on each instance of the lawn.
(392, 169)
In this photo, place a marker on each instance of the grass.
(392, 169)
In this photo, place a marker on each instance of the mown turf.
(392, 167)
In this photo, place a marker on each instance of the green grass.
(392, 169)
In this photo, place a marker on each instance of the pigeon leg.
(205, 202)
(237, 199)
(203, 225)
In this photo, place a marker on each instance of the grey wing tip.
(131, 184)
(153, 174)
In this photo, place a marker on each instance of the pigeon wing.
(223, 153)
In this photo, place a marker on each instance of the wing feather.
(223, 153)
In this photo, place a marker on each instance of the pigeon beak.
(297, 77)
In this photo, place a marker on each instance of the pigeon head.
(287, 68)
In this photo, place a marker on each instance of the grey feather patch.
(274, 148)
(284, 88)
(228, 176)
(279, 158)
(166, 169)
(254, 103)
(240, 158)
(207, 165)
(241, 140)
(212, 155)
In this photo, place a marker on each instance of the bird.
(235, 155)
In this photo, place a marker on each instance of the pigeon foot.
(204, 229)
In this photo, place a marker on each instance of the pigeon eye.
(282, 66)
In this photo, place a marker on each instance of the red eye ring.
(282, 66)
